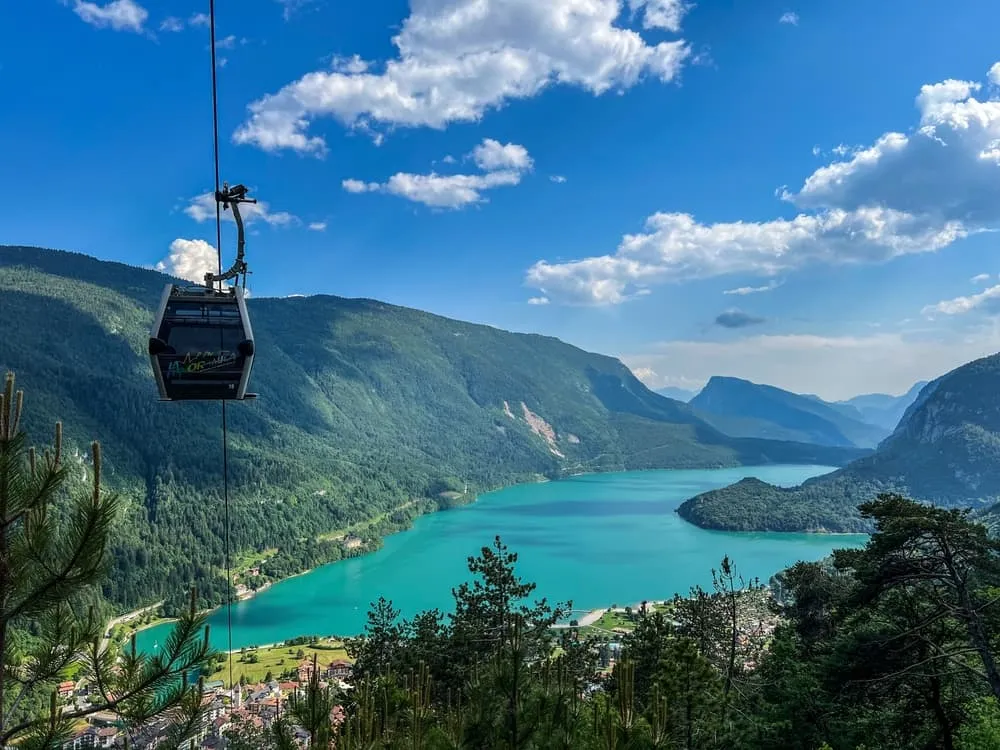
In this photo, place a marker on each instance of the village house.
(339, 669)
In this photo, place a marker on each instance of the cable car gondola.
(201, 345)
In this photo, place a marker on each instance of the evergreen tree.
(54, 541)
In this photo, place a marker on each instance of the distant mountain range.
(744, 409)
(678, 394)
(945, 450)
(882, 409)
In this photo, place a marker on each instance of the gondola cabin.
(201, 345)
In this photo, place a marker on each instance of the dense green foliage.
(946, 451)
(744, 409)
(54, 540)
(364, 408)
(888, 647)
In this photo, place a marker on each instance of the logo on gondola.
(196, 362)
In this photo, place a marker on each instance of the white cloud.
(647, 375)
(987, 301)
(980, 278)
(491, 155)
(789, 18)
(359, 186)
(744, 290)
(817, 150)
(171, 23)
(676, 247)
(557, 178)
(947, 168)
(460, 58)
(661, 14)
(352, 65)
(120, 15)
(226, 42)
(834, 367)
(538, 301)
(994, 74)
(907, 193)
(199, 19)
(202, 208)
(318, 226)
(502, 165)
(190, 260)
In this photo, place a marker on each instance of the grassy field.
(276, 660)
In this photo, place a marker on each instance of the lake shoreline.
(473, 499)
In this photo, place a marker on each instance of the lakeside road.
(105, 639)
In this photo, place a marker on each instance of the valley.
(366, 411)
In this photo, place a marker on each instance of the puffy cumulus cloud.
(790, 18)
(947, 168)
(502, 165)
(994, 74)
(459, 58)
(200, 19)
(538, 301)
(120, 15)
(318, 226)
(745, 290)
(190, 260)
(359, 186)
(737, 319)
(444, 191)
(907, 193)
(491, 155)
(661, 14)
(834, 367)
(647, 375)
(676, 247)
(202, 208)
(986, 301)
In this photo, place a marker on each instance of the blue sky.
(795, 193)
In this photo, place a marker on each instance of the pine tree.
(54, 544)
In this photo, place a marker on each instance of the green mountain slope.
(946, 450)
(365, 408)
(744, 409)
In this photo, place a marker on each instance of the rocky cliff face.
(946, 448)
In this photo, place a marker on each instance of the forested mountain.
(740, 408)
(363, 408)
(882, 409)
(946, 450)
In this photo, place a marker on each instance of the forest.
(888, 647)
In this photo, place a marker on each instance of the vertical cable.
(225, 432)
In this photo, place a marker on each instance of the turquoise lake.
(597, 539)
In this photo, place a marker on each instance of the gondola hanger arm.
(232, 197)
